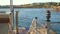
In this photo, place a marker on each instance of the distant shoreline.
(23, 7)
(34, 5)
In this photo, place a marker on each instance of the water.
(27, 14)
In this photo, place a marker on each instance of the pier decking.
(4, 20)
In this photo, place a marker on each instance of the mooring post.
(10, 24)
(48, 21)
(12, 14)
(17, 22)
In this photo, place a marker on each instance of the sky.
(19, 2)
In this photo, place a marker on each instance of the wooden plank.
(4, 28)
(4, 20)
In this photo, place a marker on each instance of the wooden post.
(48, 21)
(17, 22)
(12, 14)
(11, 5)
(11, 23)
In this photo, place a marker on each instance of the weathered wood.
(3, 28)
(32, 29)
(11, 23)
(4, 20)
(17, 22)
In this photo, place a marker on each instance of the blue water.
(27, 14)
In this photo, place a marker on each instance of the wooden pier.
(4, 20)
